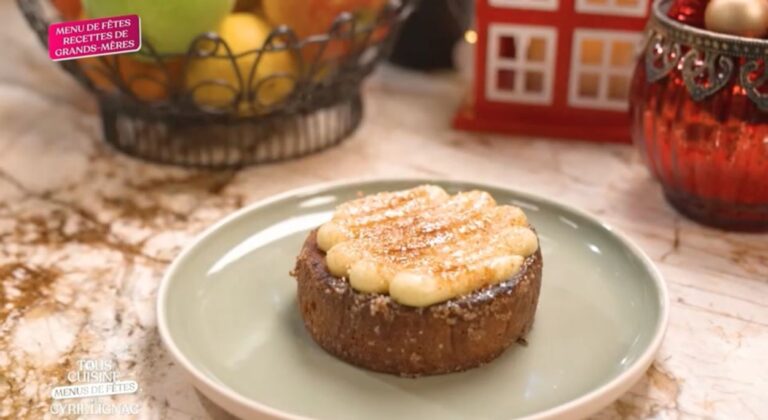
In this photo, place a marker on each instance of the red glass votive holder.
(699, 105)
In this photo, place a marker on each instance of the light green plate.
(227, 313)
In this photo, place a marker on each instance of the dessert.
(420, 282)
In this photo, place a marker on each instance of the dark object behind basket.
(428, 36)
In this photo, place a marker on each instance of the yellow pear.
(219, 81)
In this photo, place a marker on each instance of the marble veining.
(85, 235)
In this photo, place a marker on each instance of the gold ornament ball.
(737, 17)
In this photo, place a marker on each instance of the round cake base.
(375, 332)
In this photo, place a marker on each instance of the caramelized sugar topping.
(423, 246)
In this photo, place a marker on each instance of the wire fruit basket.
(251, 109)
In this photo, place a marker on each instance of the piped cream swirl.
(423, 246)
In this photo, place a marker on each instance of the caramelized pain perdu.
(420, 282)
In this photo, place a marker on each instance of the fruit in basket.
(220, 81)
(169, 25)
(312, 17)
(315, 17)
(148, 82)
(253, 6)
(68, 9)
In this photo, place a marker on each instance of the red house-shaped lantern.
(555, 68)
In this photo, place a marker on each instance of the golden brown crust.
(377, 333)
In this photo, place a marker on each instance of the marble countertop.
(86, 233)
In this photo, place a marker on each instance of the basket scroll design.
(155, 113)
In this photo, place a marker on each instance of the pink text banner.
(94, 37)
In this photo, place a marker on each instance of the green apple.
(169, 25)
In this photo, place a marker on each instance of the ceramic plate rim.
(221, 393)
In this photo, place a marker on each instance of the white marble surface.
(86, 233)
